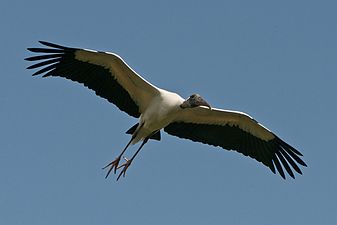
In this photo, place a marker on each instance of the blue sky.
(275, 60)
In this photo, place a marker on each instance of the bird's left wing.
(237, 131)
(105, 73)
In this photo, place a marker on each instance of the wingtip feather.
(285, 164)
(278, 166)
(52, 45)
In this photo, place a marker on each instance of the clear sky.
(275, 60)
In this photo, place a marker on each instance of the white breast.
(161, 111)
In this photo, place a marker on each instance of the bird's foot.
(125, 167)
(113, 166)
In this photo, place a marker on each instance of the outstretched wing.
(105, 73)
(236, 131)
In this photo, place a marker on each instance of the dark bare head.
(194, 101)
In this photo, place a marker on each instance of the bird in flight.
(193, 118)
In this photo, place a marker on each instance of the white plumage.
(111, 78)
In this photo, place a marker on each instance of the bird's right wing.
(105, 73)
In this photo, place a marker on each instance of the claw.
(113, 165)
(125, 167)
(126, 160)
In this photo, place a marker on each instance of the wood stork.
(111, 78)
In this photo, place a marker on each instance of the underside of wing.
(105, 73)
(237, 131)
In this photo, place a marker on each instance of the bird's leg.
(129, 161)
(114, 164)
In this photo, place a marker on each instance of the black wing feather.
(46, 50)
(285, 164)
(278, 166)
(47, 62)
(40, 57)
(271, 153)
(291, 161)
(60, 61)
